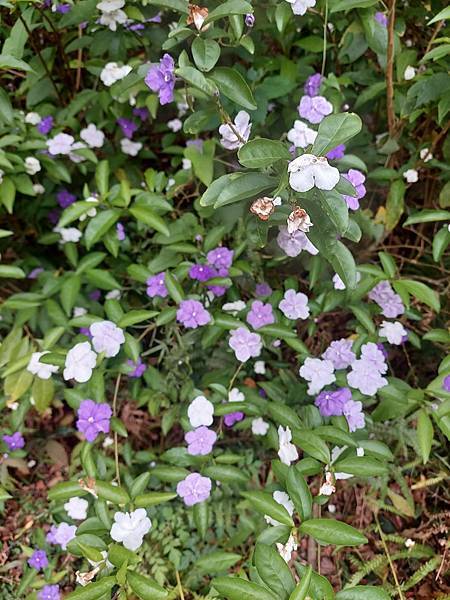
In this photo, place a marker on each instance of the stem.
(233, 379)
(116, 448)
(390, 71)
(180, 587)
(324, 51)
(388, 556)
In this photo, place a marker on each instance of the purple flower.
(34, 274)
(156, 285)
(38, 560)
(120, 232)
(65, 198)
(260, 314)
(127, 126)
(135, 26)
(249, 20)
(194, 489)
(293, 243)
(446, 384)
(353, 413)
(63, 8)
(372, 354)
(263, 289)
(331, 404)
(390, 303)
(53, 215)
(245, 344)
(49, 592)
(220, 258)
(217, 290)
(357, 179)
(14, 441)
(381, 18)
(142, 113)
(336, 153)
(138, 368)
(192, 314)
(161, 78)
(93, 418)
(340, 353)
(315, 108)
(51, 535)
(155, 19)
(200, 441)
(312, 85)
(201, 272)
(45, 125)
(85, 331)
(382, 349)
(198, 143)
(233, 418)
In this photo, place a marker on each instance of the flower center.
(90, 419)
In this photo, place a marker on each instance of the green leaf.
(226, 473)
(232, 7)
(102, 279)
(441, 16)
(424, 435)
(261, 152)
(113, 493)
(319, 586)
(102, 177)
(201, 518)
(175, 5)
(242, 186)
(235, 588)
(11, 272)
(395, 203)
(420, 290)
(329, 531)
(145, 588)
(363, 592)
(299, 492)
(343, 263)
(388, 264)
(42, 391)
(232, 85)
(217, 561)
(273, 570)
(94, 590)
(427, 216)
(195, 78)
(65, 490)
(364, 466)
(335, 130)
(174, 288)
(147, 216)
(206, 53)
(266, 505)
(302, 588)
(153, 498)
(117, 555)
(74, 212)
(69, 292)
(7, 193)
(136, 316)
(440, 243)
(311, 443)
(99, 225)
(9, 62)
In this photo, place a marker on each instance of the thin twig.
(388, 556)
(180, 587)
(390, 71)
(325, 29)
(116, 448)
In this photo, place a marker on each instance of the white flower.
(107, 337)
(298, 220)
(299, 7)
(294, 305)
(318, 372)
(112, 13)
(259, 426)
(113, 295)
(242, 126)
(301, 135)
(79, 311)
(74, 157)
(260, 367)
(234, 307)
(425, 154)
(287, 452)
(77, 508)
(62, 143)
(42, 370)
(130, 528)
(68, 234)
(277, 201)
(328, 487)
(112, 72)
(234, 395)
(32, 118)
(411, 175)
(93, 137)
(186, 164)
(32, 165)
(175, 125)
(108, 441)
(129, 147)
(80, 361)
(92, 211)
(409, 543)
(338, 284)
(409, 73)
(283, 499)
(37, 188)
(200, 412)
(308, 171)
(393, 332)
(286, 551)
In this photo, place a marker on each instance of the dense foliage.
(225, 275)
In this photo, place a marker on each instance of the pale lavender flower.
(314, 109)
(241, 126)
(38, 560)
(340, 353)
(331, 404)
(365, 377)
(293, 243)
(93, 418)
(233, 418)
(45, 125)
(127, 126)
(64, 533)
(245, 344)
(34, 274)
(294, 305)
(65, 198)
(371, 353)
(156, 286)
(142, 113)
(138, 368)
(353, 413)
(318, 373)
(51, 535)
(161, 78)
(446, 384)
(312, 84)
(260, 314)
(336, 153)
(221, 259)
(263, 289)
(14, 441)
(381, 18)
(192, 314)
(357, 179)
(201, 272)
(249, 20)
(200, 441)
(390, 303)
(49, 592)
(120, 232)
(194, 489)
